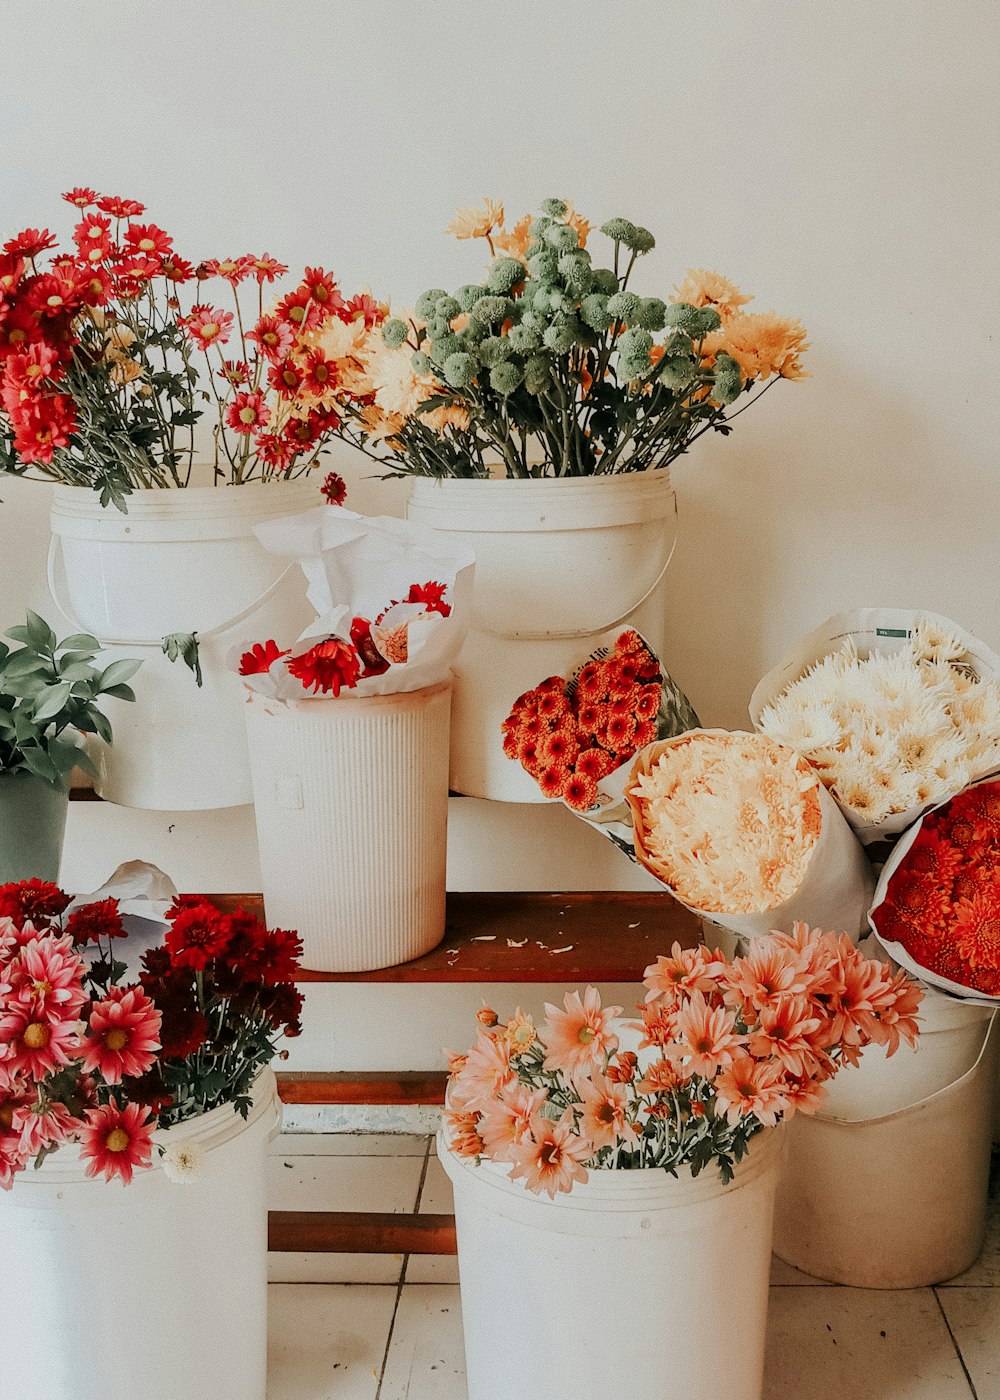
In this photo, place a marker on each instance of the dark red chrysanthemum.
(329, 666)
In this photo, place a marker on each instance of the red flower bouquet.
(569, 733)
(109, 348)
(87, 1058)
(940, 894)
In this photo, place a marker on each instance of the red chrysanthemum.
(30, 242)
(183, 1031)
(233, 270)
(329, 666)
(206, 326)
(92, 922)
(176, 269)
(266, 268)
(299, 310)
(286, 377)
(274, 338)
(81, 196)
(323, 290)
(580, 793)
(196, 935)
(120, 208)
(431, 595)
(552, 779)
(364, 308)
(148, 239)
(39, 901)
(334, 489)
(117, 1140)
(260, 658)
(976, 932)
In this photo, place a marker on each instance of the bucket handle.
(938, 1093)
(156, 642)
(602, 627)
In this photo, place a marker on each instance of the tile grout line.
(958, 1350)
(402, 1274)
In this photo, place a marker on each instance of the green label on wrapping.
(891, 632)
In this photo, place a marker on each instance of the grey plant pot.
(32, 828)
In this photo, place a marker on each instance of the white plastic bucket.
(153, 1289)
(179, 561)
(575, 1297)
(887, 1186)
(559, 562)
(351, 799)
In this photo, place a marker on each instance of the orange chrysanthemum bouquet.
(723, 1049)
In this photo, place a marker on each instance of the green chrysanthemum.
(605, 280)
(557, 208)
(538, 374)
(505, 274)
(652, 314)
(524, 338)
(492, 310)
(559, 337)
(506, 377)
(694, 320)
(544, 265)
(575, 270)
(676, 373)
(562, 238)
(493, 350)
(443, 346)
(459, 370)
(728, 384)
(468, 295)
(394, 332)
(624, 306)
(539, 227)
(446, 308)
(426, 303)
(620, 230)
(421, 364)
(594, 312)
(640, 241)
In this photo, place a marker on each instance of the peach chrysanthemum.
(506, 1120)
(477, 222)
(397, 386)
(580, 1036)
(703, 288)
(515, 243)
(604, 1119)
(521, 1032)
(487, 1071)
(751, 1086)
(706, 1038)
(550, 1158)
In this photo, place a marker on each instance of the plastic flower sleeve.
(836, 887)
(364, 568)
(144, 894)
(873, 631)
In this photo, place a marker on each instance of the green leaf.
(22, 663)
(80, 641)
(53, 699)
(118, 672)
(121, 692)
(40, 633)
(19, 634)
(38, 762)
(76, 671)
(184, 645)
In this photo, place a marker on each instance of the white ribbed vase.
(351, 799)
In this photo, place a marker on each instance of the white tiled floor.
(377, 1328)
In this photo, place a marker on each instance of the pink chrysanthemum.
(751, 1086)
(117, 1140)
(124, 1035)
(604, 1119)
(550, 1158)
(46, 978)
(706, 1037)
(207, 326)
(36, 1046)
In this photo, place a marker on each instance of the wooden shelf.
(359, 1232)
(404, 1088)
(602, 936)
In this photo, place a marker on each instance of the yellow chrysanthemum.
(515, 243)
(703, 288)
(762, 344)
(477, 223)
(379, 426)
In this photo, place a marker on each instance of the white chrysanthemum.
(803, 728)
(931, 642)
(865, 798)
(978, 708)
(891, 677)
(921, 749)
(182, 1162)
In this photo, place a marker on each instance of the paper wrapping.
(144, 895)
(896, 951)
(882, 630)
(355, 565)
(836, 890)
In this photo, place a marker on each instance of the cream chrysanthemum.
(182, 1162)
(727, 821)
(898, 730)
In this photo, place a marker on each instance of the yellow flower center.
(297, 313)
(116, 1140)
(270, 338)
(116, 1039)
(524, 1035)
(95, 231)
(320, 293)
(585, 1035)
(37, 1036)
(54, 301)
(248, 415)
(209, 330)
(94, 255)
(321, 374)
(7, 1117)
(227, 266)
(290, 378)
(17, 337)
(146, 245)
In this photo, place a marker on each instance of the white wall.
(837, 159)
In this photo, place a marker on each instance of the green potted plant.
(539, 410)
(49, 693)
